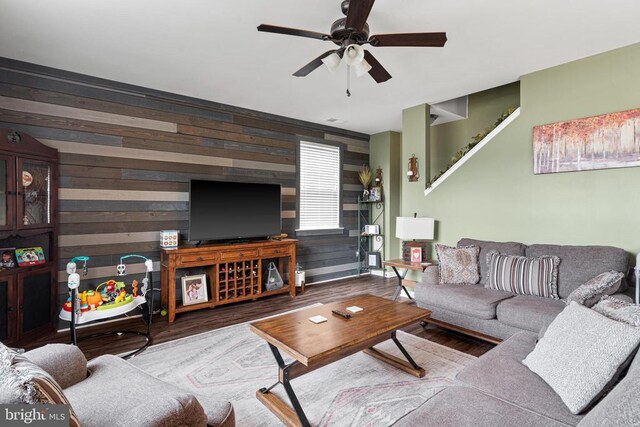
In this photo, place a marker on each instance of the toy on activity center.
(107, 295)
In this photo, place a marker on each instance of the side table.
(395, 264)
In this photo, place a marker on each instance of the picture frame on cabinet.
(194, 289)
(7, 258)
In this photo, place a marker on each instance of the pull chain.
(348, 80)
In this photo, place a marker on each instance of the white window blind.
(319, 186)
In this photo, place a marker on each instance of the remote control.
(341, 314)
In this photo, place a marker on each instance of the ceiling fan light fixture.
(362, 68)
(332, 61)
(354, 54)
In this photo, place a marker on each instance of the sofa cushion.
(500, 373)
(620, 406)
(582, 354)
(472, 300)
(64, 362)
(590, 292)
(617, 309)
(578, 264)
(464, 406)
(219, 413)
(486, 246)
(529, 312)
(159, 410)
(521, 275)
(122, 385)
(458, 265)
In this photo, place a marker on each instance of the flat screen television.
(233, 210)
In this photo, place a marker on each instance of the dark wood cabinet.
(28, 212)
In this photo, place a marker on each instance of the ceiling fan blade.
(293, 32)
(358, 13)
(304, 71)
(377, 71)
(409, 39)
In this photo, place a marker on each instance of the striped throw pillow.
(522, 275)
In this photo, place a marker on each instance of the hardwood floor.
(205, 320)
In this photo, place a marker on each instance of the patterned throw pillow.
(458, 265)
(589, 293)
(619, 310)
(522, 275)
(24, 382)
(582, 355)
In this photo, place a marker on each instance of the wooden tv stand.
(234, 272)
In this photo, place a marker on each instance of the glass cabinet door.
(34, 195)
(7, 192)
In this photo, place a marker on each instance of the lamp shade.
(362, 68)
(409, 228)
(332, 61)
(353, 55)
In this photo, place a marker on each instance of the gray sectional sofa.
(498, 390)
(495, 315)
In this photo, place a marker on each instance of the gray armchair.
(109, 391)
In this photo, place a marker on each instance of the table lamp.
(411, 229)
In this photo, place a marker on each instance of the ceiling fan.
(350, 34)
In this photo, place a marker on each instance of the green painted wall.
(384, 152)
(495, 194)
(416, 133)
(483, 110)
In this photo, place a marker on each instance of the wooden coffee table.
(316, 345)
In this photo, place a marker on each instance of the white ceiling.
(210, 48)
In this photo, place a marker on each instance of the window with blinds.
(319, 168)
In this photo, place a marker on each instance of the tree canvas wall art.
(599, 142)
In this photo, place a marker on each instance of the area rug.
(232, 363)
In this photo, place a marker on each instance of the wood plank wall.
(127, 154)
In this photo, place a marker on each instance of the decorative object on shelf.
(474, 141)
(364, 175)
(27, 179)
(606, 141)
(7, 258)
(371, 230)
(27, 257)
(14, 137)
(300, 276)
(169, 239)
(374, 260)
(375, 194)
(274, 280)
(411, 229)
(194, 289)
(413, 174)
(416, 254)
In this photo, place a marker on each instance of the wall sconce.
(378, 179)
(412, 173)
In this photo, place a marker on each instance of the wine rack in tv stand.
(234, 272)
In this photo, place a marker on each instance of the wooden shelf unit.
(234, 272)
